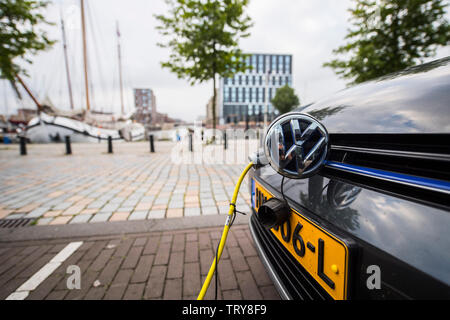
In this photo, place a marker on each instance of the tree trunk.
(214, 104)
(214, 89)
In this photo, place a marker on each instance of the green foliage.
(204, 36)
(20, 35)
(390, 35)
(285, 99)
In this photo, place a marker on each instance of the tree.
(390, 35)
(20, 36)
(285, 99)
(204, 36)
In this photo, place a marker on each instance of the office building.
(145, 103)
(245, 94)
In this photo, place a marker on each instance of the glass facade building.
(246, 93)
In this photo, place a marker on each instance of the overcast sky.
(309, 30)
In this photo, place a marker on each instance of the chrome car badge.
(296, 145)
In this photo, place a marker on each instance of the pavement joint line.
(32, 283)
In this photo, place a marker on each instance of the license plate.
(324, 256)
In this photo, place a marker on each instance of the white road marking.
(31, 284)
(18, 295)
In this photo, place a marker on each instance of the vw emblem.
(340, 195)
(296, 145)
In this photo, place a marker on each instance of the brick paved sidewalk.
(157, 265)
(91, 186)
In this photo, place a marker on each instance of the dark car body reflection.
(405, 118)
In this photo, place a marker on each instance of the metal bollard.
(152, 145)
(110, 146)
(23, 146)
(191, 147)
(68, 147)
(225, 141)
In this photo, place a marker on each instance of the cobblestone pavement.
(92, 186)
(156, 265)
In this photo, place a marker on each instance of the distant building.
(245, 94)
(145, 103)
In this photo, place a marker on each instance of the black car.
(371, 217)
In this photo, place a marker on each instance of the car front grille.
(292, 277)
(413, 166)
(423, 155)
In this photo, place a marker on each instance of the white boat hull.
(46, 129)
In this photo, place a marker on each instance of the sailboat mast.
(69, 84)
(86, 80)
(120, 69)
(38, 105)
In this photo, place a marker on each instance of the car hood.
(415, 100)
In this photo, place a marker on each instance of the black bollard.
(68, 147)
(191, 147)
(110, 146)
(225, 141)
(152, 145)
(23, 146)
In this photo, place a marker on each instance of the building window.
(274, 63)
(280, 64)
(260, 63)
(240, 80)
(264, 64)
(246, 80)
(250, 94)
(257, 63)
(254, 80)
(287, 63)
(225, 80)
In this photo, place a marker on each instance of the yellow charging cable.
(226, 228)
